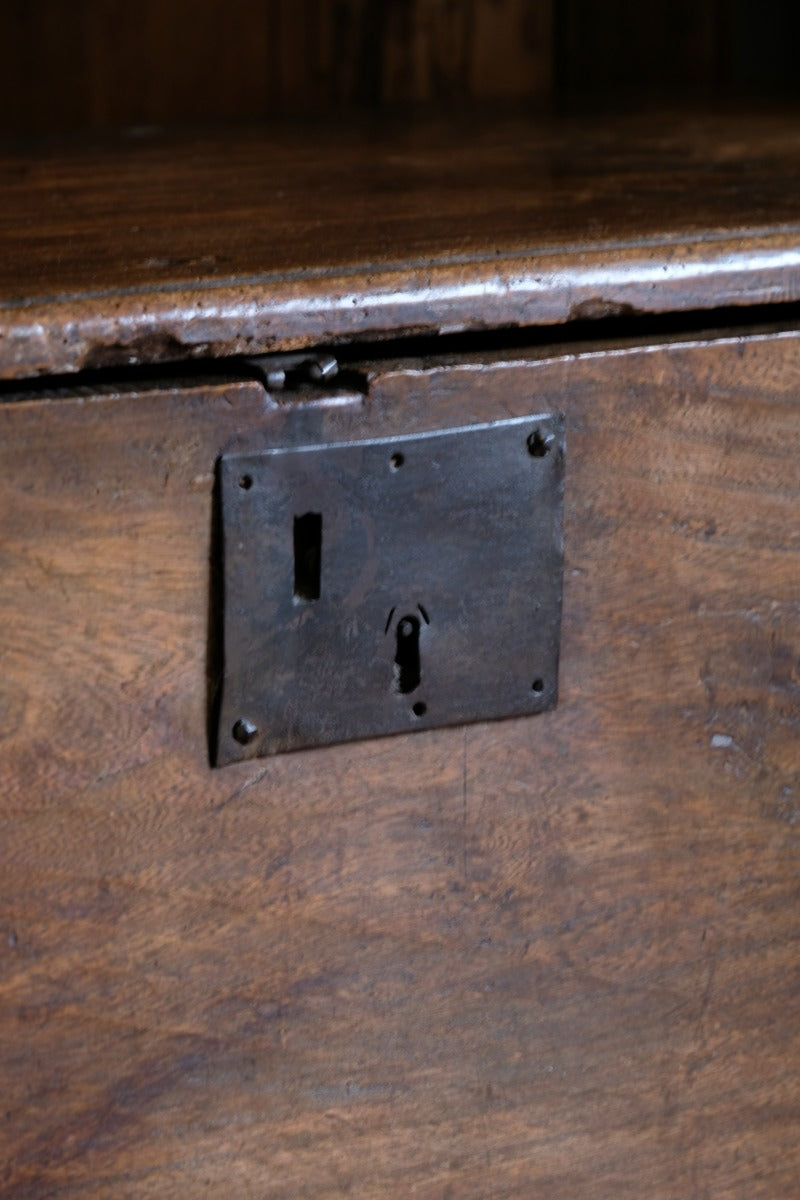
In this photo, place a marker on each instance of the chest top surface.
(154, 246)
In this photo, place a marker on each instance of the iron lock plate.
(390, 585)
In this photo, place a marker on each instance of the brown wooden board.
(153, 247)
(551, 957)
(83, 65)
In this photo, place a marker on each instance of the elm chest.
(551, 955)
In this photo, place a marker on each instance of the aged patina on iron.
(382, 586)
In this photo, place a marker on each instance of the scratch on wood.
(240, 790)
(464, 802)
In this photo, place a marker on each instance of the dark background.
(93, 64)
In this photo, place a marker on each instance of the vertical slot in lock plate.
(389, 585)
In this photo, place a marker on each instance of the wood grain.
(89, 65)
(551, 957)
(154, 248)
(92, 65)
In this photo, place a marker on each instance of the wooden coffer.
(553, 957)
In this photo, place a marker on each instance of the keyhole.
(406, 659)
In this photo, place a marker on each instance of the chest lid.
(153, 246)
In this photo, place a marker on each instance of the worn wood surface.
(554, 957)
(151, 248)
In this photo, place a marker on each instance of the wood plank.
(84, 65)
(150, 248)
(554, 956)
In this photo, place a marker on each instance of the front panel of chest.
(552, 954)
